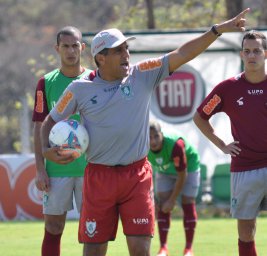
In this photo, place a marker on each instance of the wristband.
(215, 31)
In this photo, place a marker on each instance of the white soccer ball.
(71, 136)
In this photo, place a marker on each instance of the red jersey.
(245, 104)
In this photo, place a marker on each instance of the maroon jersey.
(246, 105)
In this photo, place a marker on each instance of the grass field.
(214, 236)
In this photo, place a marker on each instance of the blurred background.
(27, 36)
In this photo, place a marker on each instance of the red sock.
(51, 244)
(247, 248)
(164, 220)
(190, 222)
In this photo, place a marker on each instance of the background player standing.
(177, 172)
(244, 99)
(58, 182)
(114, 105)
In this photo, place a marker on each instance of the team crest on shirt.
(90, 228)
(126, 91)
(159, 161)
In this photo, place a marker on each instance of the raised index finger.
(243, 13)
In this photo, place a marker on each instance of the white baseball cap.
(109, 38)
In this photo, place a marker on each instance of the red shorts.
(112, 192)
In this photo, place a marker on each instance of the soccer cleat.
(188, 252)
(163, 252)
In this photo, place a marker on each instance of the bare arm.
(41, 179)
(205, 127)
(196, 46)
(53, 154)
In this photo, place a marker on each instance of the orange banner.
(19, 198)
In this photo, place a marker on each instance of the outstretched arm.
(193, 48)
(206, 128)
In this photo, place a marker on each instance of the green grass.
(214, 236)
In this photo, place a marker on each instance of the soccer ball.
(71, 136)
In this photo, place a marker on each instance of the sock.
(51, 244)
(247, 248)
(164, 220)
(190, 222)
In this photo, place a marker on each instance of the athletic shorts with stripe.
(113, 192)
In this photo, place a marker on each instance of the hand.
(231, 149)
(57, 155)
(236, 24)
(167, 206)
(42, 181)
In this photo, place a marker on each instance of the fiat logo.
(177, 97)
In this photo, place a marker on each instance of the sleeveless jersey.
(246, 106)
(163, 162)
(115, 113)
(54, 85)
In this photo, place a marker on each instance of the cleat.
(163, 252)
(188, 252)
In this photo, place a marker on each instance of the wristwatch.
(214, 30)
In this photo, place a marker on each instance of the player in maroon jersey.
(244, 99)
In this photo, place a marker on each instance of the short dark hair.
(69, 31)
(103, 52)
(253, 34)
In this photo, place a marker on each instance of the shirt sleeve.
(212, 104)
(179, 155)
(66, 105)
(40, 110)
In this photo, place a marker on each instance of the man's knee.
(139, 246)
(95, 249)
(246, 230)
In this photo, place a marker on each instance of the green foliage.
(9, 133)
(172, 15)
(28, 30)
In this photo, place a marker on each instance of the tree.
(28, 29)
(233, 7)
(150, 14)
(263, 14)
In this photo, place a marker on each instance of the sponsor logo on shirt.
(176, 161)
(150, 64)
(93, 99)
(212, 104)
(90, 228)
(240, 101)
(111, 89)
(39, 102)
(67, 97)
(255, 92)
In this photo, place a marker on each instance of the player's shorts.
(166, 183)
(59, 199)
(111, 192)
(248, 193)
